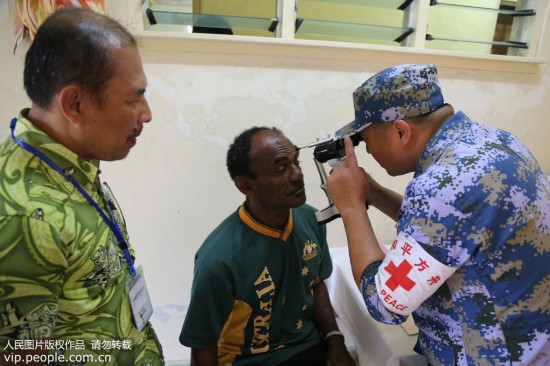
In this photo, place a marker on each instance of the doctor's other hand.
(348, 184)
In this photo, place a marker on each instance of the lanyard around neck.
(113, 224)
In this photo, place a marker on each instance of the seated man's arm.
(207, 356)
(325, 321)
(210, 306)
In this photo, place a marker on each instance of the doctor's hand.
(348, 185)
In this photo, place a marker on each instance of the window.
(237, 17)
(465, 25)
(364, 21)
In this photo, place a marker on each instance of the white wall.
(174, 187)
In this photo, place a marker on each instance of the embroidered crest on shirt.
(409, 275)
(310, 250)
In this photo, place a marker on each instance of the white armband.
(408, 275)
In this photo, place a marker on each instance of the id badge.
(140, 302)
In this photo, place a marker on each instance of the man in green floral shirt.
(64, 259)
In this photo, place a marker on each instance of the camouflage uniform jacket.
(63, 276)
(479, 203)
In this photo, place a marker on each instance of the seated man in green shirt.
(65, 259)
(258, 294)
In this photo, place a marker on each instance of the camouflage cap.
(397, 92)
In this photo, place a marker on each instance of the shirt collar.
(83, 171)
(262, 229)
(448, 133)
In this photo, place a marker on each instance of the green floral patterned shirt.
(62, 273)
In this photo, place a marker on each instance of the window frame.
(284, 45)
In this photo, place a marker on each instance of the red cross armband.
(408, 275)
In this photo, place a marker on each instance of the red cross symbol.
(399, 276)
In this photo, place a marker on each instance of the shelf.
(388, 4)
(260, 52)
(210, 20)
(526, 12)
(315, 27)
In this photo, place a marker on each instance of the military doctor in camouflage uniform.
(471, 257)
(64, 260)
